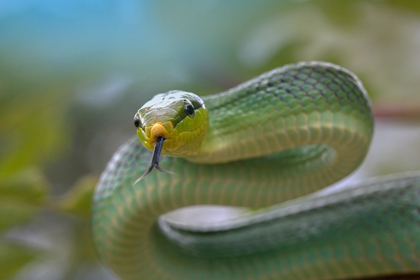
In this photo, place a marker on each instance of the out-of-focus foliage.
(21, 196)
(13, 257)
(78, 199)
(73, 72)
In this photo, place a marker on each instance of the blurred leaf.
(20, 196)
(31, 129)
(13, 257)
(79, 199)
(15, 212)
(344, 13)
(28, 185)
(409, 5)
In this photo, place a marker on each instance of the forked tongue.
(155, 159)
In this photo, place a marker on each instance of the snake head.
(179, 117)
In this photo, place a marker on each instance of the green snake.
(268, 145)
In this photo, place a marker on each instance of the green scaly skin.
(271, 142)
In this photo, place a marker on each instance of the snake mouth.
(149, 134)
(155, 159)
(160, 130)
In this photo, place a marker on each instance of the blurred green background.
(73, 73)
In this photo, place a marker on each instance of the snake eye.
(189, 110)
(136, 121)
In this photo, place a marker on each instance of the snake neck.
(292, 106)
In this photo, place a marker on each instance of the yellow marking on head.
(158, 130)
(149, 134)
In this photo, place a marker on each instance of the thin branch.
(398, 111)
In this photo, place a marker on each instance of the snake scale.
(268, 145)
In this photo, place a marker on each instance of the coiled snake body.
(267, 145)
